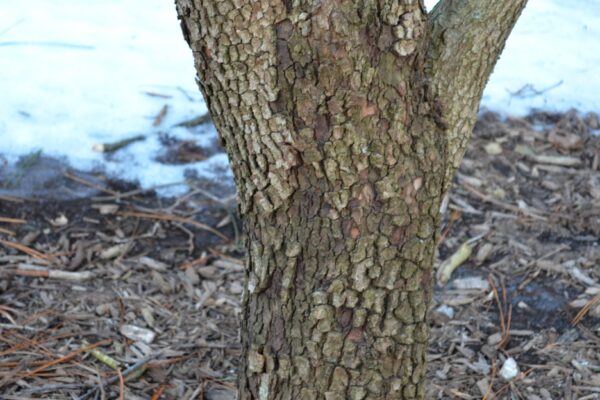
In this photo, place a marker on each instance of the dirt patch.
(526, 201)
(36, 175)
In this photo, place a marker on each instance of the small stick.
(11, 199)
(489, 199)
(528, 276)
(225, 257)
(89, 184)
(121, 385)
(12, 220)
(159, 392)
(136, 191)
(228, 265)
(8, 232)
(184, 92)
(180, 200)
(454, 216)
(504, 324)
(17, 246)
(166, 217)
(41, 272)
(18, 327)
(489, 392)
(160, 116)
(52, 388)
(202, 119)
(202, 260)
(112, 147)
(584, 310)
(155, 94)
(102, 391)
(67, 357)
(510, 384)
(225, 202)
(128, 371)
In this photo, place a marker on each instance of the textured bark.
(342, 136)
(466, 39)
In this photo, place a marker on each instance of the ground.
(119, 279)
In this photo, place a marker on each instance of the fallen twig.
(52, 388)
(202, 260)
(174, 218)
(12, 220)
(228, 265)
(489, 393)
(112, 147)
(202, 119)
(511, 384)
(137, 191)
(121, 385)
(565, 161)
(585, 309)
(489, 199)
(155, 94)
(42, 272)
(67, 357)
(24, 249)
(128, 371)
(533, 262)
(12, 199)
(77, 179)
(159, 391)
(160, 116)
(454, 216)
(504, 323)
(17, 327)
(8, 232)
(528, 90)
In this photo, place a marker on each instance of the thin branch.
(174, 218)
(466, 39)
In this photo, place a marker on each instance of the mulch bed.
(139, 279)
(127, 294)
(527, 204)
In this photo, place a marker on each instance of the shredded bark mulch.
(128, 294)
(525, 214)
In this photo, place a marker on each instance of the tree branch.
(466, 39)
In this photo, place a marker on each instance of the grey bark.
(344, 122)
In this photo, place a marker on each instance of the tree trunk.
(344, 122)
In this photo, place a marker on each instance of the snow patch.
(77, 74)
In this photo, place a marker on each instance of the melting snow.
(76, 73)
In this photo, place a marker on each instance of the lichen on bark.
(342, 137)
